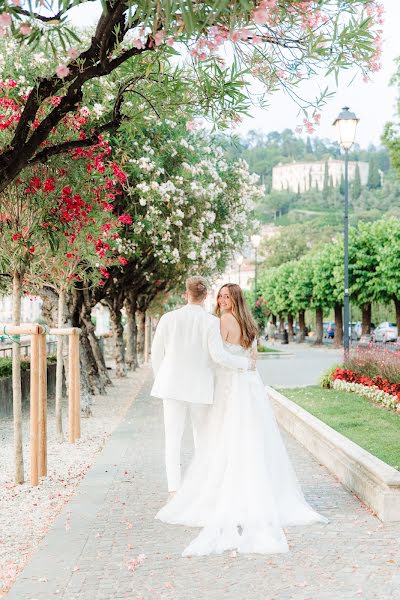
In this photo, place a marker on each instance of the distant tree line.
(316, 281)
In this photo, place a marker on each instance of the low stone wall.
(373, 481)
(6, 408)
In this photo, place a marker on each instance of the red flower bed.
(382, 384)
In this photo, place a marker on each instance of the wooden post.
(42, 405)
(77, 386)
(34, 408)
(71, 389)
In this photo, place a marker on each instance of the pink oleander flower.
(317, 118)
(137, 43)
(309, 126)
(170, 41)
(271, 4)
(62, 71)
(159, 38)
(25, 29)
(260, 16)
(5, 20)
(191, 125)
(73, 53)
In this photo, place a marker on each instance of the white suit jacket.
(186, 346)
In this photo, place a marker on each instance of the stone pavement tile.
(112, 523)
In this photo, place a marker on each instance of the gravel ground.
(26, 513)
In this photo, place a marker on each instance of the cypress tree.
(325, 187)
(341, 185)
(374, 177)
(356, 187)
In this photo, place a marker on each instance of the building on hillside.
(299, 177)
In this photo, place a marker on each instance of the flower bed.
(375, 388)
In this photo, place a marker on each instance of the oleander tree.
(191, 210)
(57, 227)
(149, 48)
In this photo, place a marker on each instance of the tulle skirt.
(240, 488)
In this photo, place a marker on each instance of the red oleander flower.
(125, 219)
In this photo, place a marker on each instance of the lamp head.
(346, 125)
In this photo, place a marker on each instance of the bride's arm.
(220, 355)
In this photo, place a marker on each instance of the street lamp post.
(255, 241)
(239, 262)
(346, 125)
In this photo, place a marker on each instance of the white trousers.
(174, 424)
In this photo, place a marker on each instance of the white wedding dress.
(240, 487)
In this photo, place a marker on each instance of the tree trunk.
(366, 310)
(131, 346)
(338, 326)
(141, 324)
(302, 326)
(274, 319)
(85, 315)
(290, 326)
(397, 307)
(281, 323)
(59, 371)
(86, 387)
(119, 344)
(319, 328)
(89, 376)
(16, 383)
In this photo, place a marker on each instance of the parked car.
(385, 332)
(354, 330)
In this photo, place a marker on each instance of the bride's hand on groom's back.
(253, 359)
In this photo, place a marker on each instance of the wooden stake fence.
(38, 390)
(38, 395)
(74, 378)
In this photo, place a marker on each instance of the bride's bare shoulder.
(228, 318)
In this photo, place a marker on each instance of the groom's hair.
(196, 287)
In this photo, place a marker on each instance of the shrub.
(375, 362)
(326, 379)
(6, 364)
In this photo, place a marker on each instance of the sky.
(374, 103)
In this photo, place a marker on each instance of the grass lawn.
(268, 349)
(373, 428)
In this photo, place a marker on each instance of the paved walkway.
(297, 365)
(106, 544)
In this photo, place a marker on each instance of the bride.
(240, 487)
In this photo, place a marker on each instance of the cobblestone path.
(107, 545)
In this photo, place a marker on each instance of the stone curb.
(372, 480)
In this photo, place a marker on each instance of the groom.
(186, 346)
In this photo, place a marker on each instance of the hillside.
(318, 208)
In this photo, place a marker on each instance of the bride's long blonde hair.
(241, 311)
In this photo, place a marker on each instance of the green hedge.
(6, 364)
